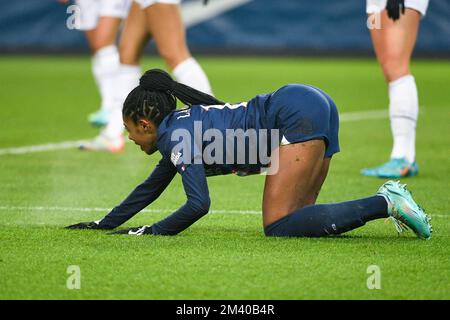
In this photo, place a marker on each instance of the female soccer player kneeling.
(307, 123)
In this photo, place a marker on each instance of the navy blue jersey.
(234, 127)
(202, 141)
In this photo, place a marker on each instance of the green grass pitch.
(225, 255)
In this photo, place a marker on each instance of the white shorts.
(147, 3)
(92, 10)
(375, 6)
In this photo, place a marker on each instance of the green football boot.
(393, 169)
(404, 211)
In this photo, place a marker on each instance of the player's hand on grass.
(394, 7)
(135, 231)
(87, 225)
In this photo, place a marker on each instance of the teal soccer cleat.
(99, 118)
(393, 169)
(404, 211)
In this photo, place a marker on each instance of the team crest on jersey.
(175, 157)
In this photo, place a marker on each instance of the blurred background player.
(101, 20)
(394, 43)
(160, 20)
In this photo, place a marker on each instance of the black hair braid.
(156, 95)
(159, 80)
(151, 105)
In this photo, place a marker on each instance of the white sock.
(403, 112)
(105, 65)
(127, 79)
(190, 73)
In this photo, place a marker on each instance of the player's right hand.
(86, 225)
(394, 8)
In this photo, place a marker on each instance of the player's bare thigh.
(104, 34)
(297, 181)
(394, 42)
(166, 27)
(134, 36)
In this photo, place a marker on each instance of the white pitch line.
(42, 147)
(344, 117)
(73, 209)
(106, 210)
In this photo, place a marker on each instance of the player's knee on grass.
(305, 222)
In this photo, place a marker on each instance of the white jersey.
(92, 10)
(147, 3)
(375, 6)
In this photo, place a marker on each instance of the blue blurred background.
(246, 26)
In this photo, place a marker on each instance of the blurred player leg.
(165, 24)
(106, 67)
(132, 41)
(393, 45)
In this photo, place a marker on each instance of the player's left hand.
(87, 225)
(394, 7)
(135, 231)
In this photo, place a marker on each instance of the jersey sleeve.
(144, 194)
(196, 206)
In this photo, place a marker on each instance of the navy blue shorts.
(303, 113)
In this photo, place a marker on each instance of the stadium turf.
(225, 255)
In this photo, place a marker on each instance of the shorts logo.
(175, 158)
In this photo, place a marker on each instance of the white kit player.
(161, 21)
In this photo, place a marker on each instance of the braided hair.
(156, 97)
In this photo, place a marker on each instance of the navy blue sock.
(325, 219)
